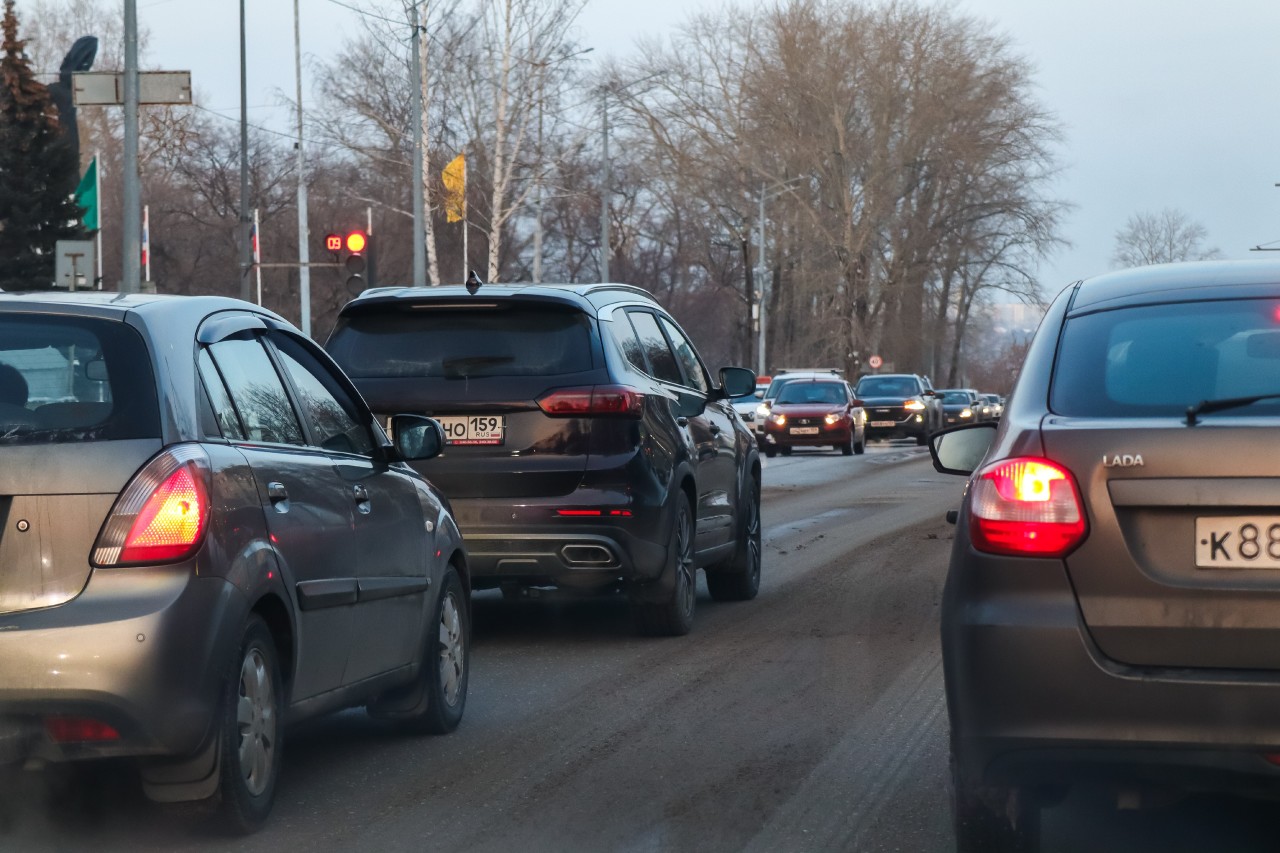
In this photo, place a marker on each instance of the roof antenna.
(473, 282)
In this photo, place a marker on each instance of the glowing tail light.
(162, 515)
(1026, 507)
(593, 401)
(79, 730)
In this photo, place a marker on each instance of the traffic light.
(354, 261)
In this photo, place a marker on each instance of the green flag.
(87, 195)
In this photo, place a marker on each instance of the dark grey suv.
(587, 445)
(204, 534)
(1112, 610)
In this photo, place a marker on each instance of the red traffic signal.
(356, 241)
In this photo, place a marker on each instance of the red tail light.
(593, 401)
(1027, 508)
(162, 515)
(78, 730)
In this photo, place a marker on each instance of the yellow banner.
(455, 189)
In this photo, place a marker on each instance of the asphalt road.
(810, 719)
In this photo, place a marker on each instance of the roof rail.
(630, 288)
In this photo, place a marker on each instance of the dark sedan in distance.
(1112, 610)
(206, 535)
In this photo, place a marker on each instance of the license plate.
(883, 423)
(474, 429)
(804, 430)
(1238, 542)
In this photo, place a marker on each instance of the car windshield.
(72, 380)
(1157, 360)
(813, 392)
(955, 397)
(461, 344)
(887, 386)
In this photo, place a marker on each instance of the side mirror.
(737, 381)
(928, 392)
(858, 404)
(417, 438)
(960, 450)
(96, 370)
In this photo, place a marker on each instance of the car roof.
(584, 296)
(150, 306)
(1177, 283)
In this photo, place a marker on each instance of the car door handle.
(277, 492)
(682, 421)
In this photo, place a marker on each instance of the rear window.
(462, 344)
(1157, 360)
(955, 397)
(67, 379)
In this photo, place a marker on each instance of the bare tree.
(1166, 237)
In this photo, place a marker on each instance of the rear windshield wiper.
(1205, 407)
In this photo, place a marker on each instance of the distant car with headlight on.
(900, 405)
(206, 533)
(1111, 616)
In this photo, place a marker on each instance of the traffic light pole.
(304, 248)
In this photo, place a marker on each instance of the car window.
(256, 391)
(451, 343)
(224, 411)
(70, 379)
(1158, 360)
(625, 336)
(887, 386)
(956, 397)
(812, 392)
(331, 413)
(665, 366)
(694, 374)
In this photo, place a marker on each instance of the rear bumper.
(1033, 701)
(140, 650)
(527, 542)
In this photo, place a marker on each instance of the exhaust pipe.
(587, 555)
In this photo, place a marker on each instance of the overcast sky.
(1165, 103)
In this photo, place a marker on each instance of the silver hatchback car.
(204, 535)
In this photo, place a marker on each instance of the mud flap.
(182, 780)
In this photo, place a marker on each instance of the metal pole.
(257, 253)
(466, 255)
(131, 216)
(537, 187)
(419, 207)
(245, 249)
(97, 190)
(304, 230)
(764, 300)
(604, 190)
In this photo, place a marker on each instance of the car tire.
(739, 580)
(672, 616)
(846, 449)
(785, 451)
(979, 828)
(770, 452)
(922, 440)
(251, 721)
(860, 446)
(441, 690)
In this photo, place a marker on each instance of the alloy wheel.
(256, 719)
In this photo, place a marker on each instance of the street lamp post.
(766, 192)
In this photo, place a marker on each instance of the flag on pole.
(87, 195)
(146, 242)
(455, 189)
